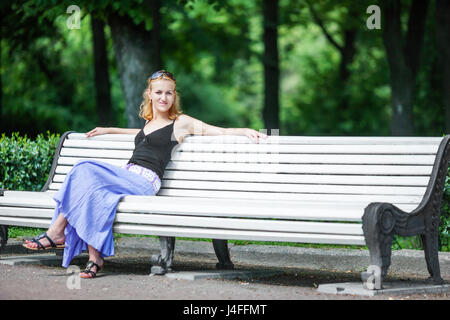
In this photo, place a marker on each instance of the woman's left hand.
(254, 135)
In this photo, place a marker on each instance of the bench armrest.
(435, 189)
(55, 160)
(381, 221)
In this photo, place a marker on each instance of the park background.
(305, 67)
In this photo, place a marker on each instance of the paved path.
(125, 276)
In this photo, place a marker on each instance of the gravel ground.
(126, 277)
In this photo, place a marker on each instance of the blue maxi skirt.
(88, 199)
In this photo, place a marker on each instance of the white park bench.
(330, 190)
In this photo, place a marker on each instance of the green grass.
(22, 232)
(397, 244)
(248, 242)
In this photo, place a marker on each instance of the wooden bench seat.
(286, 188)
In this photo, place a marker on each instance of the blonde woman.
(87, 200)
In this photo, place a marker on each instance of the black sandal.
(88, 270)
(41, 246)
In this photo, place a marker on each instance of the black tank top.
(153, 151)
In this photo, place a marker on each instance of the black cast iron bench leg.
(162, 263)
(223, 255)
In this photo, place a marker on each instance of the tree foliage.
(215, 49)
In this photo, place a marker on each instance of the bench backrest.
(335, 169)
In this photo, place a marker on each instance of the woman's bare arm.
(110, 130)
(197, 127)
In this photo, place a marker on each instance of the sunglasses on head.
(161, 73)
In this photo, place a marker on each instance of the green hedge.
(25, 165)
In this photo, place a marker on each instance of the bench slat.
(298, 178)
(16, 198)
(242, 224)
(337, 140)
(24, 195)
(239, 235)
(72, 160)
(265, 148)
(296, 168)
(207, 222)
(262, 158)
(95, 153)
(280, 139)
(280, 178)
(278, 187)
(36, 213)
(344, 211)
(245, 208)
(44, 201)
(276, 168)
(413, 199)
(104, 137)
(300, 213)
(308, 214)
(98, 144)
(205, 233)
(309, 149)
(291, 188)
(289, 196)
(332, 196)
(304, 158)
(307, 210)
(25, 222)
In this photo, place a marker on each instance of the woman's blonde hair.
(146, 107)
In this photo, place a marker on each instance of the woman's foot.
(92, 267)
(46, 240)
(53, 238)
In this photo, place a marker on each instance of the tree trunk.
(102, 83)
(136, 58)
(55, 74)
(442, 15)
(271, 65)
(347, 52)
(403, 61)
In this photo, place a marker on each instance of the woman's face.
(162, 95)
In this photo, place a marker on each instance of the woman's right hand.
(97, 131)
